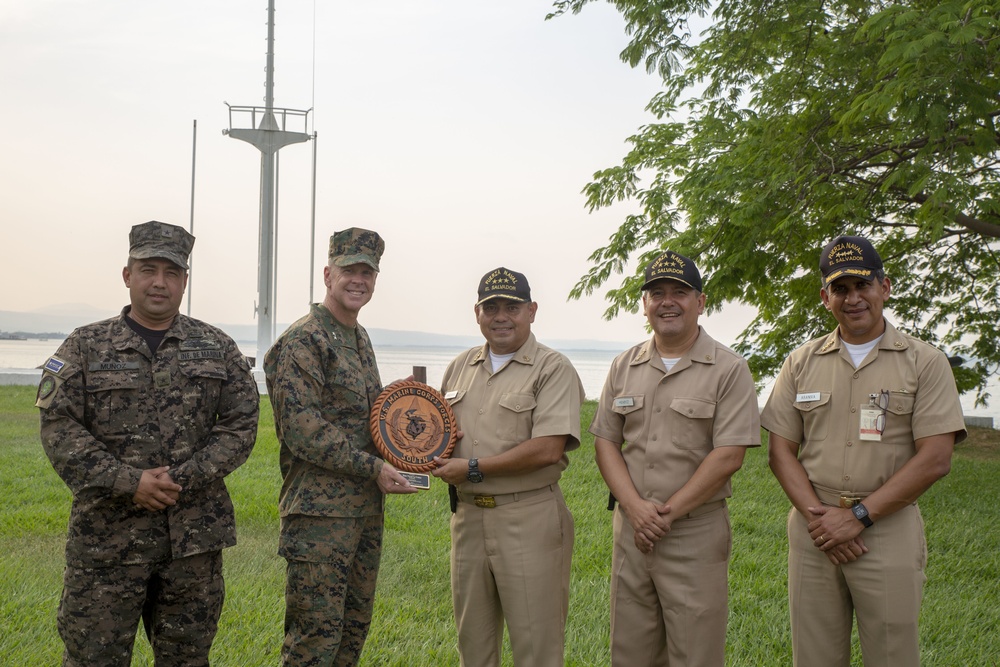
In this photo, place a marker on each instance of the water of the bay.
(19, 357)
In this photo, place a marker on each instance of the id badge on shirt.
(873, 416)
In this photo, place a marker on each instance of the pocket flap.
(204, 369)
(518, 402)
(807, 406)
(97, 382)
(693, 408)
(623, 405)
(454, 396)
(900, 403)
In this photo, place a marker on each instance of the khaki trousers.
(670, 607)
(883, 589)
(512, 563)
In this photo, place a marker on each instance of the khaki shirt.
(322, 380)
(669, 422)
(537, 393)
(110, 409)
(818, 397)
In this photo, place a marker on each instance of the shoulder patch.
(47, 390)
(46, 387)
(54, 365)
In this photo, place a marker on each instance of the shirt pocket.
(201, 391)
(454, 397)
(202, 385)
(899, 419)
(815, 417)
(515, 417)
(690, 423)
(113, 399)
(626, 405)
(629, 409)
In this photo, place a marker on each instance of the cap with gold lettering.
(504, 284)
(849, 256)
(672, 266)
(160, 240)
(356, 246)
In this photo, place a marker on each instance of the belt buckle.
(489, 502)
(847, 502)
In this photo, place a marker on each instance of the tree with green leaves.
(781, 125)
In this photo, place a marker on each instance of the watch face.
(861, 514)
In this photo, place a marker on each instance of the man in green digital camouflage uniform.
(143, 415)
(322, 381)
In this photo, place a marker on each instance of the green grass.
(413, 620)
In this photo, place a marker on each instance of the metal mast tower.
(269, 129)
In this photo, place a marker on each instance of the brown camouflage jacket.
(322, 381)
(110, 410)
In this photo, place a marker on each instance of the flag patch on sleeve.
(54, 365)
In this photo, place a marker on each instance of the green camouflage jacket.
(322, 381)
(110, 410)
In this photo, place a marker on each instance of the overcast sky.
(461, 130)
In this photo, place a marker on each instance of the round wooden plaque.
(411, 423)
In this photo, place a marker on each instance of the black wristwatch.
(861, 514)
(474, 475)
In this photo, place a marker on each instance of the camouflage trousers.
(179, 601)
(330, 588)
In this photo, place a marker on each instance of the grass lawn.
(413, 620)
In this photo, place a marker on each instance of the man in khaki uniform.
(518, 404)
(862, 421)
(676, 415)
(143, 416)
(322, 380)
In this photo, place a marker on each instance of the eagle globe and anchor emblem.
(415, 424)
(411, 423)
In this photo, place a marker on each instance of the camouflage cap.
(849, 256)
(159, 239)
(504, 284)
(673, 266)
(356, 246)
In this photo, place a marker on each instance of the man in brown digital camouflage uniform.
(322, 381)
(143, 415)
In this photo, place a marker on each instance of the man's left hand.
(832, 526)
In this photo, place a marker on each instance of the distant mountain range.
(54, 321)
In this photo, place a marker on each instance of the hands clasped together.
(157, 490)
(650, 523)
(836, 532)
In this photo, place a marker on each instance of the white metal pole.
(265, 311)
